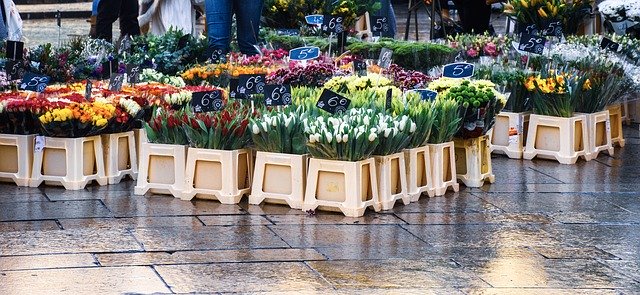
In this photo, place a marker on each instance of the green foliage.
(409, 55)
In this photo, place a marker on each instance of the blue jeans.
(219, 16)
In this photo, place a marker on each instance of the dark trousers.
(109, 11)
(475, 15)
(219, 16)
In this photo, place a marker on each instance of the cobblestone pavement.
(542, 228)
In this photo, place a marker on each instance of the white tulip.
(372, 137)
(264, 126)
(345, 138)
(328, 137)
(287, 121)
(366, 120)
(338, 138)
(387, 132)
(255, 129)
(413, 127)
(403, 124)
(312, 139)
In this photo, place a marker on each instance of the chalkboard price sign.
(552, 28)
(207, 101)
(133, 73)
(532, 43)
(333, 102)
(389, 99)
(33, 82)
(14, 69)
(385, 59)
(607, 43)
(379, 24)
(277, 95)
(115, 83)
(87, 90)
(332, 24)
(251, 84)
(15, 49)
(359, 68)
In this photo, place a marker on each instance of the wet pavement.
(542, 228)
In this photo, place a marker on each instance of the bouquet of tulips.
(223, 130)
(555, 93)
(351, 84)
(395, 134)
(422, 113)
(539, 12)
(447, 120)
(77, 120)
(166, 127)
(352, 136)
(280, 131)
(127, 112)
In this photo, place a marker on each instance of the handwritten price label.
(333, 102)
(277, 95)
(458, 70)
(385, 59)
(207, 101)
(251, 84)
(33, 82)
(532, 43)
(304, 53)
(332, 24)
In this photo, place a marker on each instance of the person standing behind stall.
(109, 11)
(475, 15)
(219, 15)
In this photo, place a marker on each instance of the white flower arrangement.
(130, 106)
(179, 98)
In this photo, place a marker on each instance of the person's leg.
(108, 11)
(219, 15)
(129, 18)
(248, 14)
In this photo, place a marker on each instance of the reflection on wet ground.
(542, 228)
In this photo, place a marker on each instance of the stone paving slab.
(104, 280)
(201, 257)
(244, 277)
(130, 223)
(9, 226)
(53, 210)
(67, 241)
(47, 261)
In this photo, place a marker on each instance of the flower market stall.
(313, 122)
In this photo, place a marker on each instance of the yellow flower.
(542, 13)
(101, 122)
(524, 3)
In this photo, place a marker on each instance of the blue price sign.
(314, 19)
(427, 94)
(458, 70)
(33, 82)
(304, 53)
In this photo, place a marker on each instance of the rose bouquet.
(223, 130)
(280, 131)
(345, 137)
(77, 120)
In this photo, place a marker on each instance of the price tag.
(620, 28)
(379, 24)
(332, 24)
(15, 49)
(607, 43)
(288, 32)
(216, 55)
(233, 89)
(133, 73)
(552, 28)
(458, 70)
(359, 68)
(115, 83)
(277, 95)
(14, 69)
(385, 59)
(333, 102)
(389, 99)
(314, 19)
(532, 43)
(304, 53)
(33, 82)
(251, 84)
(531, 29)
(109, 68)
(87, 90)
(207, 101)
(39, 144)
(427, 94)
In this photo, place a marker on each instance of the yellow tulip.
(524, 3)
(542, 13)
